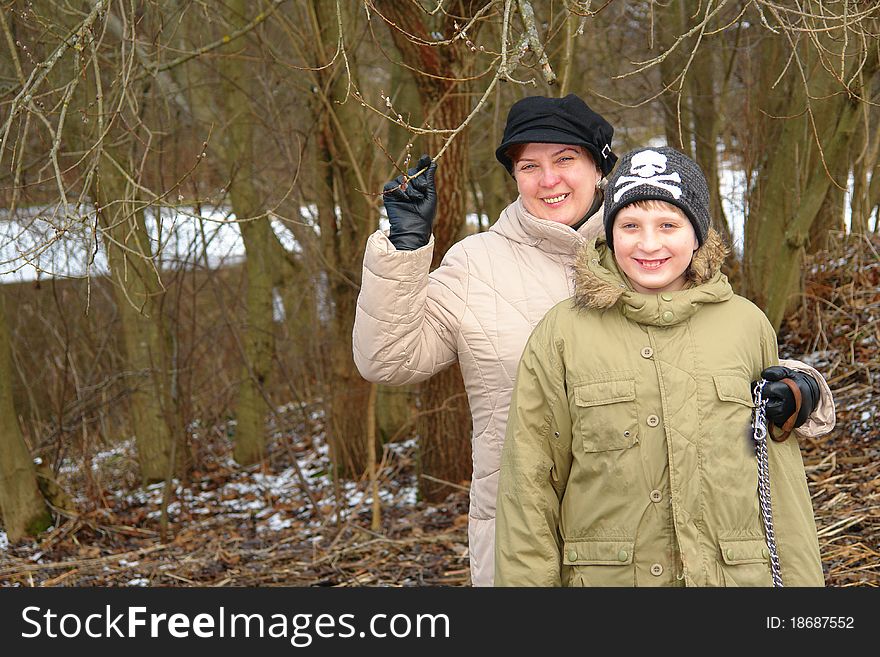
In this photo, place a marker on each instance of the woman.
(481, 304)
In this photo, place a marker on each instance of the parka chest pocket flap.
(734, 388)
(605, 414)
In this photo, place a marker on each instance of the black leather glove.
(780, 398)
(411, 210)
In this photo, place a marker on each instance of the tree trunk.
(670, 23)
(792, 184)
(874, 198)
(496, 190)
(406, 103)
(702, 79)
(348, 393)
(348, 212)
(445, 435)
(830, 217)
(258, 338)
(22, 506)
(138, 293)
(691, 116)
(394, 410)
(239, 160)
(866, 171)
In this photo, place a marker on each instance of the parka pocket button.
(623, 555)
(647, 352)
(572, 555)
(765, 552)
(653, 420)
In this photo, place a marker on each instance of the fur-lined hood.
(599, 284)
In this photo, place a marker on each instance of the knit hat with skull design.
(659, 174)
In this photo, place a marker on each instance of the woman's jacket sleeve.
(407, 320)
(821, 420)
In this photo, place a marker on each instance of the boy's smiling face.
(654, 243)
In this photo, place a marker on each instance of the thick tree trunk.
(139, 294)
(702, 79)
(691, 118)
(348, 393)
(450, 108)
(874, 198)
(866, 172)
(405, 100)
(259, 343)
(830, 217)
(671, 22)
(22, 506)
(445, 435)
(395, 407)
(348, 213)
(495, 185)
(240, 163)
(792, 184)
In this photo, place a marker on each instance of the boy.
(628, 459)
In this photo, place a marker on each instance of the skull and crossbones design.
(648, 167)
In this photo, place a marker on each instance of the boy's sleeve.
(793, 520)
(535, 463)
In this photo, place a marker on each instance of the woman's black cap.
(569, 120)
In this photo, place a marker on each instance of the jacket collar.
(599, 284)
(518, 224)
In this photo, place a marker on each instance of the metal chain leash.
(759, 424)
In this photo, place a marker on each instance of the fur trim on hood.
(598, 287)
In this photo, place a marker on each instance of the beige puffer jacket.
(478, 307)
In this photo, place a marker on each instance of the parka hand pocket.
(598, 563)
(605, 414)
(745, 562)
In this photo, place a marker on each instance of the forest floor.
(289, 523)
(233, 526)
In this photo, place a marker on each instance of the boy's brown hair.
(651, 204)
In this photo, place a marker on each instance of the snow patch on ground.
(276, 523)
(273, 501)
(123, 449)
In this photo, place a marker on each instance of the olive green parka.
(628, 458)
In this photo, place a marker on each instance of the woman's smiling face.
(557, 182)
